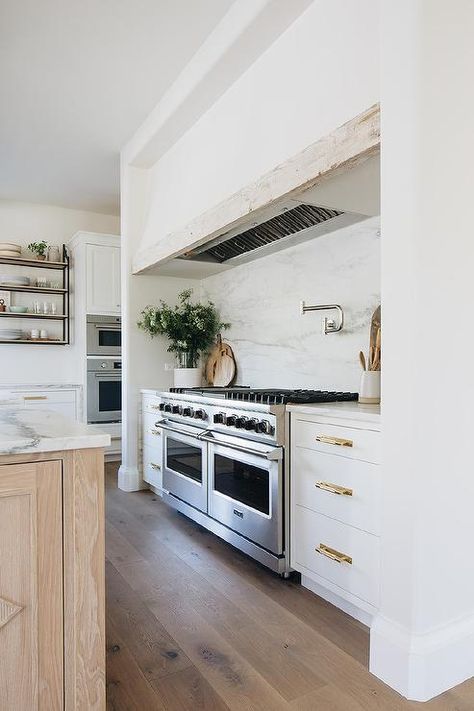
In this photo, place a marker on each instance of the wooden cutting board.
(220, 366)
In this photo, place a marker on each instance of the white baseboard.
(337, 601)
(130, 479)
(422, 666)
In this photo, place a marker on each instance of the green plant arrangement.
(39, 248)
(191, 327)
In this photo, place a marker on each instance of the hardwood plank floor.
(193, 624)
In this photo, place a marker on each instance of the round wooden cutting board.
(220, 365)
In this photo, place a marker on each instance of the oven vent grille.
(276, 228)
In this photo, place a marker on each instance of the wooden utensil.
(362, 360)
(375, 326)
(220, 366)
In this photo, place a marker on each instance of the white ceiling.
(76, 80)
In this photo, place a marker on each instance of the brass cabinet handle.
(154, 466)
(334, 488)
(339, 441)
(35, 397)
(331, 553)
(155, 407)
(155, 432)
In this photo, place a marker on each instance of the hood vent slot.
(287, 223)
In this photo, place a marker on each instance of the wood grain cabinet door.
(31, 597)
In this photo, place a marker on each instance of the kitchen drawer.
(152, 466)
(310, 530)
(358, 484)
(151, 435)
(363, 444)
(62, 402)
(47, 396)
(150, 403)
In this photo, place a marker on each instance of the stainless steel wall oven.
(104, 390)
(104, 335)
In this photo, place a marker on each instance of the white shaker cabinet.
(152, 453)
(335, 503)
(103, 279)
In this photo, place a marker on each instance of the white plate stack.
(8, 249)
(10, 280)
(11, 334)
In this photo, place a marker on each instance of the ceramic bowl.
(18, 309)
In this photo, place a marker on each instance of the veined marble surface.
(41, 386)
(369, 414)
(23, 431)
(274, 345)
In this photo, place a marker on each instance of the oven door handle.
(275, 454)
(103, 327)
(172, 428)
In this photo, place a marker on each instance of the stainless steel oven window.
(242, 481)
(185, 467)
(184, 458)
(110, 395)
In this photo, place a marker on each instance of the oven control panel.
(170, 408)
(241, 420)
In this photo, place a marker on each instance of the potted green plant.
(39, 249)
(191, 329)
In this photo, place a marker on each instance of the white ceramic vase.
(187, 377)
(369, 393)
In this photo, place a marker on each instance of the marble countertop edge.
(24, 431)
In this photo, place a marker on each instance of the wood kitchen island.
(52, 639)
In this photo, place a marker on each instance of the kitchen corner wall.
(277, 347)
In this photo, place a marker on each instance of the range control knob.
(167, 408)
(219, 419)
(251, 424)
(231, 420)
(161, 406)
(265, 427)
(200, 415)
(240, 422)
(176, 409)
(188, 411)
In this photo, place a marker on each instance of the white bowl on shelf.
(10, 247)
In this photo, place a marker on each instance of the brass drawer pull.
(154, 466)
(333, 554)
(35, 397)
(334, 488)
(339, 441)
(155, 407)
(155, 432)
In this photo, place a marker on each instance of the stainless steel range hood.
(335, 203)
(260, 238)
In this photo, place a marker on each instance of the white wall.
(320, 73)
(422, 641)
(22, 223)
(277, 347)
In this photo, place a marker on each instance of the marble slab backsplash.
(273, 344)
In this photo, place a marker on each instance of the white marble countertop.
(41, 386)
(349, 410)
(23, 431)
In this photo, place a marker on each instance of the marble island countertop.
(23, 431)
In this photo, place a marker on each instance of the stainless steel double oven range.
(224, 463)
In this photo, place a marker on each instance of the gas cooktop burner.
(269, 396)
